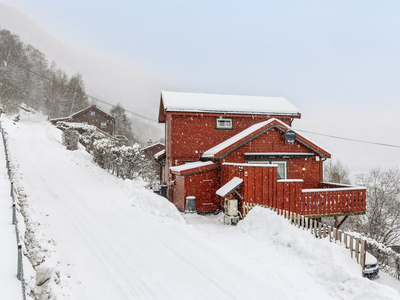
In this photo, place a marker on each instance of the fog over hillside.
(105, 78)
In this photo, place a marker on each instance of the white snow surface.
(192, 165)
(229, 186)
(197, 102)
(113, 239)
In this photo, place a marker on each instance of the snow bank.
(329, 263)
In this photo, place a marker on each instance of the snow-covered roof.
(158, 154)
(152, 145)
(214, 150)
(196, 102)
(242, 137)
(227, 188)
(250, 165)
(192, 165)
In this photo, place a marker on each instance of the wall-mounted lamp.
(303, 168)
(240, 169)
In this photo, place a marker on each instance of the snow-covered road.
(112, 239)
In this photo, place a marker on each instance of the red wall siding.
(202, 185)
(188, 135)
(274, 141)
(259, 183)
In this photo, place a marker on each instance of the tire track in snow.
(87, 232)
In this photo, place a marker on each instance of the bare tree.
(123, 125)
(336, 172)
(382, 219)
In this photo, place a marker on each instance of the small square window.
(103, 125)
(92, 113)
(223, 123)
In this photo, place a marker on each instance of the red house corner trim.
(192, 168)
(221, 150)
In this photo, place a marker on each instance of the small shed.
(198, 179)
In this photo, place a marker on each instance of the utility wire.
(94, 98)
(155, 121)
(349, 139)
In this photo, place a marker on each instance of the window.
(282, 166)
(103, 124)
(85, 123)
(92, 113)
(223, 123)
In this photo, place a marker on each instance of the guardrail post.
(19, 270)
(14, 218)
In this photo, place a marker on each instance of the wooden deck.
(327, 200)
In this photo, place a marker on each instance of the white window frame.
(92, 113)
(230, 120)
(276, 162)
(103, 124)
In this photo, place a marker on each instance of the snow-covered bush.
(70, 139)
(122, 161)
(88, 134)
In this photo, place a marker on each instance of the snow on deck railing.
(20, 268)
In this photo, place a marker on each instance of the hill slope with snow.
(112, 239)
(105, 78)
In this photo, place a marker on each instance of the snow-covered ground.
(112, 239)
(10, 286)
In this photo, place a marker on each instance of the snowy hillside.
(105, 78)
(112, 239)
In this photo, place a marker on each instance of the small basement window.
(92, 113)
(103, 124)
(223, 123)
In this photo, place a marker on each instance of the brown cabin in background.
(150, 152)
(91, 116)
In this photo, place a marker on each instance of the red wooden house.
(245, 147)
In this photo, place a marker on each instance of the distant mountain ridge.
(104, 78)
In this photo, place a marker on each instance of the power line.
(94, 98)
(349, 139)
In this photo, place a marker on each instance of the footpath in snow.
(10, 285)
(112, 239)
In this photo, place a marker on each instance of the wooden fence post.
(330, 233)
(363, 255)
(306, 222)
(290, 217)
(345, 236)
(358, 249)
(351, 245)
(324, 230)
(335, 234)
(340, 235)
(320, 230)
(302, 222)
(316, 228)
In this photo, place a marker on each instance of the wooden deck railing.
(333, 200)
(329, 199)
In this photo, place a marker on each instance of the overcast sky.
(337, 61)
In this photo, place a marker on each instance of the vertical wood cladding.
(189, 135)
(202, 185)
(274, 141)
